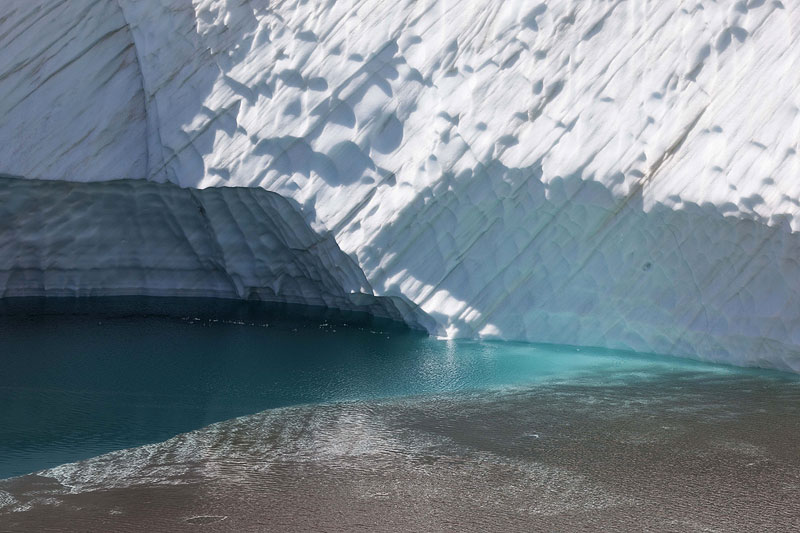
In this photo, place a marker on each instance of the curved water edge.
(676, 450)
(101, 374)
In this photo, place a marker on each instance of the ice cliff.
(607, 173)
(139, 237)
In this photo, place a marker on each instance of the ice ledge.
(134, 237)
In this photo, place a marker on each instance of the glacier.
(601, 172)
(137, 237)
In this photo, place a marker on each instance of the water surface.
(344, 423)
(101, 377)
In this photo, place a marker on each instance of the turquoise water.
(73, 386)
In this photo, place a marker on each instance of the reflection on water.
(396, 432)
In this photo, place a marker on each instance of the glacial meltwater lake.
(581, 428)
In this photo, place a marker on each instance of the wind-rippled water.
(396, 431)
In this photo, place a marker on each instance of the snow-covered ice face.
(509, 167)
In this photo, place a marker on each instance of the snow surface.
(608, 173)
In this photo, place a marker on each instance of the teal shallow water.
(76, 385)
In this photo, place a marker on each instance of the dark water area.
(345, 423)
(84, 377)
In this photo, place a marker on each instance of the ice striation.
(608, 173)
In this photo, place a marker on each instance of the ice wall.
(138, 237)
(611, 173)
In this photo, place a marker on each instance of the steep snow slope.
(611, 173)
